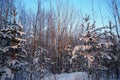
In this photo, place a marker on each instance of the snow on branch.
(101, 29)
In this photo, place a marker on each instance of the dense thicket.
(60, 40)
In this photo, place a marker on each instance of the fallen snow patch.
(68, 76)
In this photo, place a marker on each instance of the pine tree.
(12, 52)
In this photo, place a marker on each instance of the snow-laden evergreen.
(12, 52)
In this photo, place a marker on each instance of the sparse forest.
(44, 44)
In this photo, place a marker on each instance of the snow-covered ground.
(68, 76)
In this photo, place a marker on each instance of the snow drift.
(68, 76)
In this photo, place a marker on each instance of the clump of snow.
(20, 26)
(35, 61)
(106, 55)
(8, 74)
(21, 33)
(14, 47)
(19, 39)
(6, 49)
(75, 50)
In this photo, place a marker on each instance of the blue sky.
(85, 6)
